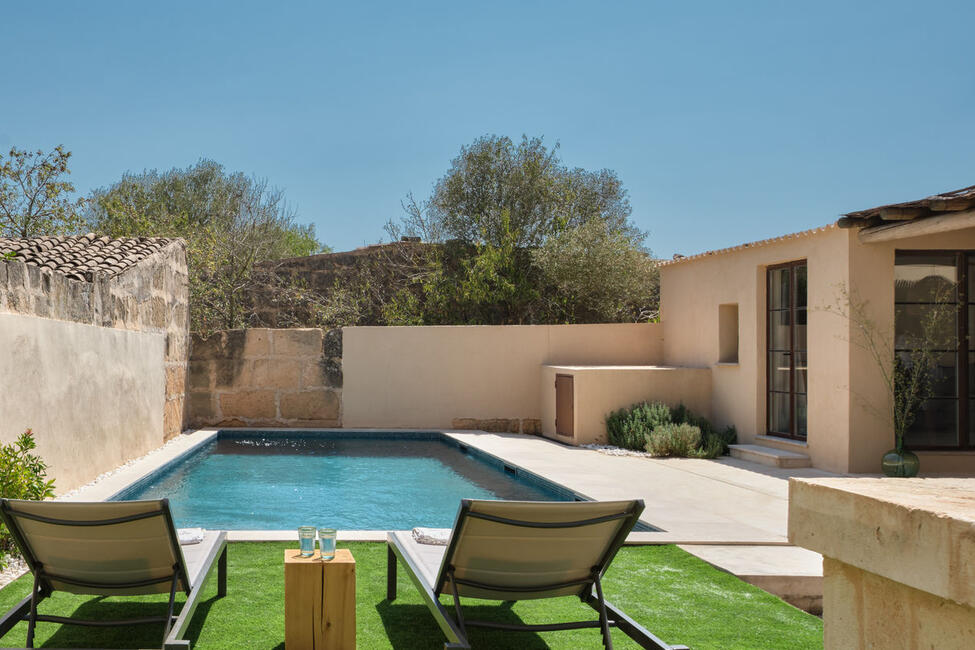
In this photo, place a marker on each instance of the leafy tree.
(34, 194)
(479, 284)
(495, 184)
(525, 239)
(229, 222)
(597, 274)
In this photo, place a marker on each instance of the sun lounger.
(120, 548)
(520, 550)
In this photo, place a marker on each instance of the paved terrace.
(729, 512)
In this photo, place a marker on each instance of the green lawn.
(676, 596)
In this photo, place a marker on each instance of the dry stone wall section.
(266, 377)
(152, 296)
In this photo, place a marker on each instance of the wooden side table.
(319, 601)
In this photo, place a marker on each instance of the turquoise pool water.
(262, 481)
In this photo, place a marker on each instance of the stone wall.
(898, 559)
(266, 377)
(151, 296)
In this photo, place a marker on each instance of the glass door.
(787, 356)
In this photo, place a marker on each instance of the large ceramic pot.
(900, 463)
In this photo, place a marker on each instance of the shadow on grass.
(149, 635)
(412, 626)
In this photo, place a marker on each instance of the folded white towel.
(432, 536)
(189, 536)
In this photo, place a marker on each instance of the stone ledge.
(918, 532)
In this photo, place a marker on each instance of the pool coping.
(190, 442)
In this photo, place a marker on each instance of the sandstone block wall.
(898, 559)
(266, 377)
(151, 296)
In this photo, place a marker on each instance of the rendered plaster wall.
(692, 295)
(94, 396)
(474, 376)
(151, 296)
(600, 390)
(847, 394)
(267, 377)
(899, 559)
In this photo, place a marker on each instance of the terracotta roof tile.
(678, 259)
(82, 257)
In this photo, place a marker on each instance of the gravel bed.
(610, 450)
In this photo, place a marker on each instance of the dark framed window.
(786, 355)
(926, 281)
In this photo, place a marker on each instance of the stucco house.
(786, 369)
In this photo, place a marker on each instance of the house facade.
(789, 368)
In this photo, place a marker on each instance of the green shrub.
(674, 440)
(22, 476)
(629, 427)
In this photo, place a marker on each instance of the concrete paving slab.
(693, 500)
(793, 574)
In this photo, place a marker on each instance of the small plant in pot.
(908, 365)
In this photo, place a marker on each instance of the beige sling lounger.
(113, 548)
(520, 550)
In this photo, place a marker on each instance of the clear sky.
(726, 121)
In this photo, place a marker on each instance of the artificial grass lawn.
(673, 594)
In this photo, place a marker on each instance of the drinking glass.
(326, 542)
(306, 540)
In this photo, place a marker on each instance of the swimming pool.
(260, 480)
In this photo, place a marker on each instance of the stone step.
(793, 574)
(770, 456)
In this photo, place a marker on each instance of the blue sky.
(726, 121)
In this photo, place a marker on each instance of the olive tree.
(35, 194)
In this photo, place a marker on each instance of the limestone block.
(310, 405)
(531, 426)
(159, 277)
(175, 379)
(296, 342)
(173, 418)
(202, 406)
(159, 313)
(16, 275)
(494, 425)
(315, 424)
(227, 373)
(313, 374)
(864, 610)
(281, 374)
(235, 422)
(920, 532)
(41, 306)
(220, 345)
(33, 278)
(257, 343)
(253, 404)
(332, 343)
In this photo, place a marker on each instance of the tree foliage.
(34, 194)
(229, 222)
(525, 239)
(496, 187)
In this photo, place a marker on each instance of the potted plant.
(907, 365)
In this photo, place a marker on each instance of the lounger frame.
(175, 625)
(455, 627)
